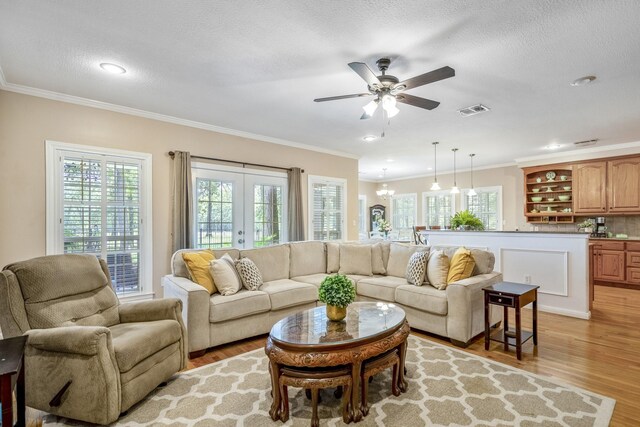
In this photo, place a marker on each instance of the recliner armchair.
(87, 357)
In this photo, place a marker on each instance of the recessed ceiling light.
(369, 138)
(552, 146)
(390, 160)
(583, 81)
(429, 169)
(112, 68)
(380, 176)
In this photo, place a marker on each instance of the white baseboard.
(563, 311)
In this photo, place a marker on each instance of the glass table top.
(312, 327)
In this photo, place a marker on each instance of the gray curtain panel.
(296, 216)
(182, 201)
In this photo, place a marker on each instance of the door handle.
(240, 241)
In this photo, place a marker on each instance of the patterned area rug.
(446, 387)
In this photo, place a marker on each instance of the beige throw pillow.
(225, 275)
(399, 258)
(437, 269)
(355, 259)
(417, 268)
(333, 257)
(377, 259)
(249, 274)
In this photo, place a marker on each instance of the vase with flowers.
(384, 227)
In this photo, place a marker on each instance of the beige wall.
(510, 178)
(26, 122)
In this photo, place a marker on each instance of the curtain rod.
(172, 154)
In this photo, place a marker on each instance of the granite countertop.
(630, 238)
(507, 231)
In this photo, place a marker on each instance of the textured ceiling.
(256, 67)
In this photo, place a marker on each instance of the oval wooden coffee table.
(309, 340)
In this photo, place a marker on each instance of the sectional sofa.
(293, 272)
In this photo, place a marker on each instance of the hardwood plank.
(601, 355)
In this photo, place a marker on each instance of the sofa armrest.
(147, 311)
(83, 340)
(72, 372)
(465, 318)
(195, 309)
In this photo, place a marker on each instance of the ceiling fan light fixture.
(392, 111)
(371, 107)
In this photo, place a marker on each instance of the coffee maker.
(601, 228)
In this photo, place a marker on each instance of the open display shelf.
(549, 183)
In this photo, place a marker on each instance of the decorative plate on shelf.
(551, 175)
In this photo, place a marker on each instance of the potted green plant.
(465, 220)
(587, 225)
(337, 292)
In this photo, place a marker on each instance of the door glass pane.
(214, 213)
(267, 211)
(327, 211)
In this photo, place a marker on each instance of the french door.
(242, 210)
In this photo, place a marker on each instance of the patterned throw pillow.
(249, 274)
(417, 268)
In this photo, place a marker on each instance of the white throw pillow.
(224, 274)
(437, 269)
(249, 274)
(417, 268)
(355, 259)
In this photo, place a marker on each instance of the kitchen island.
(556, 261)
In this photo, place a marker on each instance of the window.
(96, 204)
(404, 213)
(486, 205)
(327, 208)
(237, 207)
(437, 208)
(362, 216)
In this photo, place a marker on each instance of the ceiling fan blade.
(416, 101)
(333, 98)
(426, 78)
(365, 72)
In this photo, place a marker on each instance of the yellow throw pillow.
(461, 266)
(198, 265)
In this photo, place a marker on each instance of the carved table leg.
(364, 392)
(274, 412)
(315, 421)
(402, 383)
(346, 398)
(284, 412)
(356, 367)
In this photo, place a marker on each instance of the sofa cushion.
(134, 342)
(417, 268)
(438, 269)
(355, 259)
(307, 258)
(241, 304)
(461, 265)
(399, 255)
(198, 267)
(249, 274)
(224, 273)
(425, 298)
(272, 261)
(285, 293)
(381, 288)
(485, 260)
(378, 264)
(313, 279)
(333, 257)
(179, 269)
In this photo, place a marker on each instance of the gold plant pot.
(336, 313)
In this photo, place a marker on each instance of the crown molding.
(446, 172)
(581, 154)
(62, 97)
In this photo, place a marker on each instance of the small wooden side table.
(12, 376)
(514, 295)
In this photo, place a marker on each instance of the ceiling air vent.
(473, 110)
(586, 143)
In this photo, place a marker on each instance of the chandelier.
(385, 192)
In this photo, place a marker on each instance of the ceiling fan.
(389, 89)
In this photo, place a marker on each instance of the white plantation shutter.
(96, 206)
(404, 211)
(437, 208)
(327, 199)
(486, 205)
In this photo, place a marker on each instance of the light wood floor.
(601, 355)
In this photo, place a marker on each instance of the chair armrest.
(465, 300)
(195, 309)
(84, 340)
(147, 311)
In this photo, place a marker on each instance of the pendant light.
(385, 192)
(454, 189)
(472, 192)
(435, 186)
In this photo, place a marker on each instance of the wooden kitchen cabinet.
(610, 265)
(590, 188)
(623, 185)
(614, 261)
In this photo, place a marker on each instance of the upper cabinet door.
(590, 187)
(624, 185)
